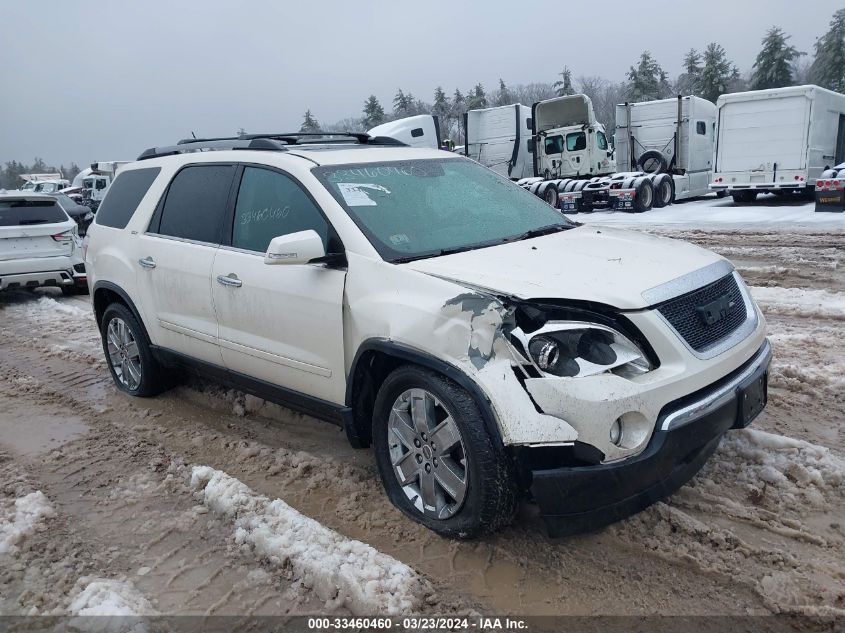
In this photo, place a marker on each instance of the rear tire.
(415, 411)
(131, 363)
(746, 196)
(548, 192)
(644, 196)
(664, 191)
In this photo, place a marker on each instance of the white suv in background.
(39, 244)
(487, 347)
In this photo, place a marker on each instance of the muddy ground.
(760, 530)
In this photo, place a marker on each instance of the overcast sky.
(87, 81)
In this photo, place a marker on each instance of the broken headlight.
(574, 349)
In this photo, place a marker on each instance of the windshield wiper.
(437, 253)
(542, 230)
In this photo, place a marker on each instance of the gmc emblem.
(716, 310)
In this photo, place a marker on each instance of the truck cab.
(569, 140)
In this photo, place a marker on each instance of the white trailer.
(778, 140)
(422, 130)
(501, 138)
(672, 136)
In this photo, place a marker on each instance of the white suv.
(39, 244)
(486, 346)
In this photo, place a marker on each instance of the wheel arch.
(105, 293)
(374, 360)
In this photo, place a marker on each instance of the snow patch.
(801, 302)
(110, 598)
(46, 305)
(339, 570)
(22, 519)
(775, 472)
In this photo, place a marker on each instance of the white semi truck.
(422, 130)
(663, 151)
(778, 140)
(671, 136)
(97, 182)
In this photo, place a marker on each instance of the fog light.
(616, 432)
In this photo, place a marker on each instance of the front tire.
(437, 462)
(131, 363)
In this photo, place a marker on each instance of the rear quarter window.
(30, 212)
(124, 196)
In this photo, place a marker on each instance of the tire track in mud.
(518, 570)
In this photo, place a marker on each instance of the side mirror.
(295, 248)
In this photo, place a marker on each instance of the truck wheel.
(652, 162)
(664, 191)
(437, 462)
(644, 196)
(131, 363)
(744, 196)
(548, 192)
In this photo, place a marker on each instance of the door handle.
(230, 280)
(147, 262)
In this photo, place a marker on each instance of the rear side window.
(30, 212)
(196, 203)
(124, 196)
(416, 132)
(701, 128)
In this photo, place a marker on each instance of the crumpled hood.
(588, 263)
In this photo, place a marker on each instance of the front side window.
(421, 208)
(576, 141)
(554, 144)
(601, 140)
(195, 203)
(271, 204)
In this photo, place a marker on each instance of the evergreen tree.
(774, 67)
(476, 98)
(828, 67)
(648, 80)
(373, 112)
(309, 123)
(563, 86)
(441, 103)
(403, 104)
(503, 95)
(717, 73)
(689, 83)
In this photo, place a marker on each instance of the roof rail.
(274, 142)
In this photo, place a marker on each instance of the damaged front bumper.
(576, 499)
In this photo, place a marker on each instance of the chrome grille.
(684, 313)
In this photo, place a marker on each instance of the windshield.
(425, 208)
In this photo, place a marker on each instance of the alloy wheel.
(124, 355)
(427, 453)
